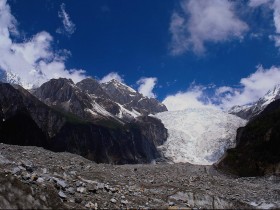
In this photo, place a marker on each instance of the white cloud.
(33, 61)
(224, 89)
(68, 26)
(250, 89)
(147, 85)
(194, 97)
(253, 87)
(204, 21)
(111, 76)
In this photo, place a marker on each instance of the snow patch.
(200, 135)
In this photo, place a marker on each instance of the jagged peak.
(119, 85)
(89, 80)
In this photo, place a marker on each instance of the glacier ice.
(198, 135)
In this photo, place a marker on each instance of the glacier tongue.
(198, 135)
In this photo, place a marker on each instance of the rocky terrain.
(32, 177)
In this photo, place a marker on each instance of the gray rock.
(79, 184)
(91, 205)
(16, 170)
(113, 200)
(62, 195)
(124, 202)
(81, 189)
(171, 203)
(70, 190)
(40, 180)
(60, 182)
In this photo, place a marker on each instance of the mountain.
(250, 111)
(131, 99)
(198, 136)
(25, 120)
(257, 151)
(94, 101)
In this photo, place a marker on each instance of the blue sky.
(184, 52)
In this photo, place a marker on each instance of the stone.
(16, 170)
(81, 189)
(113, 200)
(44, 170)
(40, 180)
(90, 205)
(62, 195)
(74, 173)
(70, 190)
(171, 204)
(124, 202)
(60, 182)
(100, 185)
(79, 184)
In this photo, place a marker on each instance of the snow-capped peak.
(199, 135)
(120, 85)
(252, 110)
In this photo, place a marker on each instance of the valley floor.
(32, 177)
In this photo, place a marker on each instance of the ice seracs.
(198, 135)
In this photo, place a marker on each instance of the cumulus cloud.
(194, 97)
(111, 76)
(31, 62)
(253, 87)
(203, 21)
(68, 26)
(147, 85)
(249, 90)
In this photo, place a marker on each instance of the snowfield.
(199, 135)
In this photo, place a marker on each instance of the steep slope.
(257, 151)
(27, 121)
(198, 136)
(131, 99)
(65, 95)
(250, 111)
(92, 101)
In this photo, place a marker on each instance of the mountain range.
(83, 119)
(113, 123)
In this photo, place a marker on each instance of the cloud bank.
(31, 62)
(249, 90)
(201, 21)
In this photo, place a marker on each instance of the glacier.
(198, 135)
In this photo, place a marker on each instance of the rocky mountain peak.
(249, 111)
(92, 86)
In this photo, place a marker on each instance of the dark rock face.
(93, 101)
(92, 86)
(27, 121)
(257, 151)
